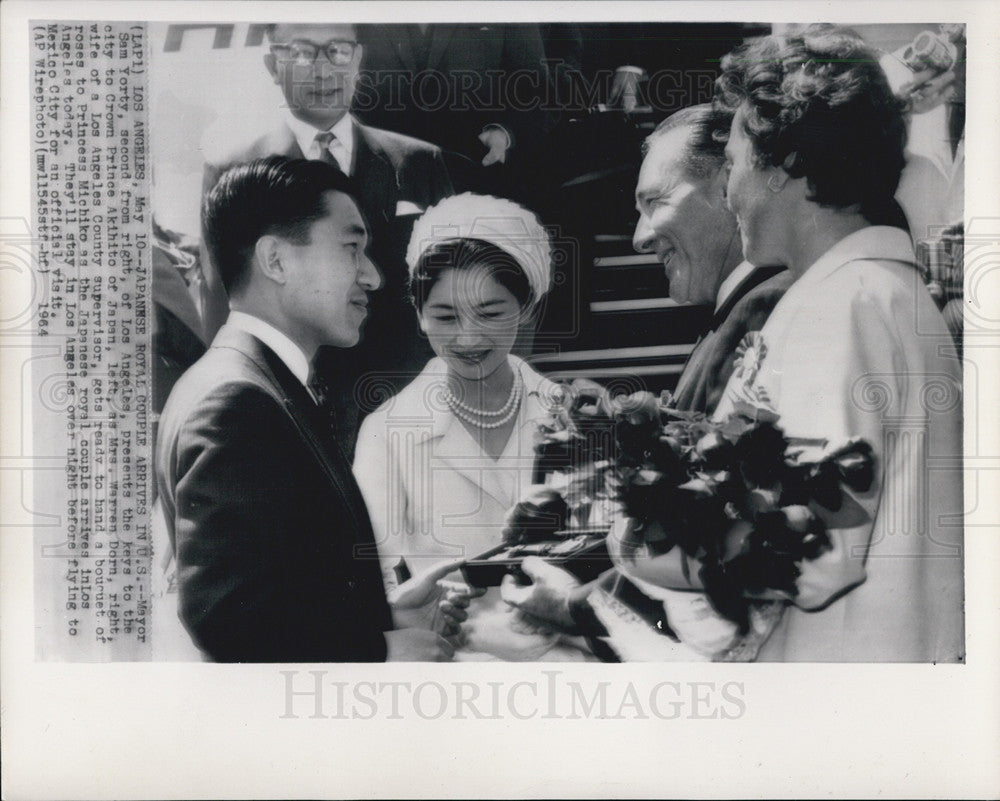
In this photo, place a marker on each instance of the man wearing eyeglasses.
(397, 177)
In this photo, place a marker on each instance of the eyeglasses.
(304, 54)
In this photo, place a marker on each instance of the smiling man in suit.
(397, 178)
(273, 544)
(684, 220)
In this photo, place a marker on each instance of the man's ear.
(267, 259)
(272, 66)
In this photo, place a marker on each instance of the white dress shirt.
(342, 146)
(290, 353)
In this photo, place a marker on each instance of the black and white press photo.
(661, 321)
(499, 398)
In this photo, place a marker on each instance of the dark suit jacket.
(388, 168)
(711, 362)
(266, 520)
(470, 76)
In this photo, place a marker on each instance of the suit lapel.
(375, 177)
(457, 451)
(448, 446)
(755, 279)
(502, 480)
(306, 417)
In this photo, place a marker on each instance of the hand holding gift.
(415, 638)
(547, 596)
(415, 602)
(455, 605)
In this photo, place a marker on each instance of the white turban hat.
(500, 222)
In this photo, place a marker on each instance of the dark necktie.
(324, 139)
(322, 393)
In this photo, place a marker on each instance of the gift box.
(581, 551)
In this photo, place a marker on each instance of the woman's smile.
(471, 356)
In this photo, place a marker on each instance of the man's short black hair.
(705, 146)
(276, 195)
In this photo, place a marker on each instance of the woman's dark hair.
(276, 195)
(818, 104)
(461, 254)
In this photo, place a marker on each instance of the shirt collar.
(305, 136)
(731, 281)
(286, 350)
(872, 242)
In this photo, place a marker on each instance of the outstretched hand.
(455, 605)
(547, 596)
(422, 588)
(414, 603)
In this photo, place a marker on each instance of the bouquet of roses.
(575, 446)
(737, 496)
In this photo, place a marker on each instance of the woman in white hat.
(442, 462)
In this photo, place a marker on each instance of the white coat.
(857, 348)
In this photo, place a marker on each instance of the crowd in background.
(546, 115)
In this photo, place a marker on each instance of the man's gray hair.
(705, 146)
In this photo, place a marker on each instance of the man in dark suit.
(397, 178)
(275, 552)
(684, 220)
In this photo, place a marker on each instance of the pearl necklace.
(454, 401)
(470, 414)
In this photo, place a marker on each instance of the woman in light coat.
(441, 463)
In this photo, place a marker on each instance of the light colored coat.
(431, 491)
(857, 348)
